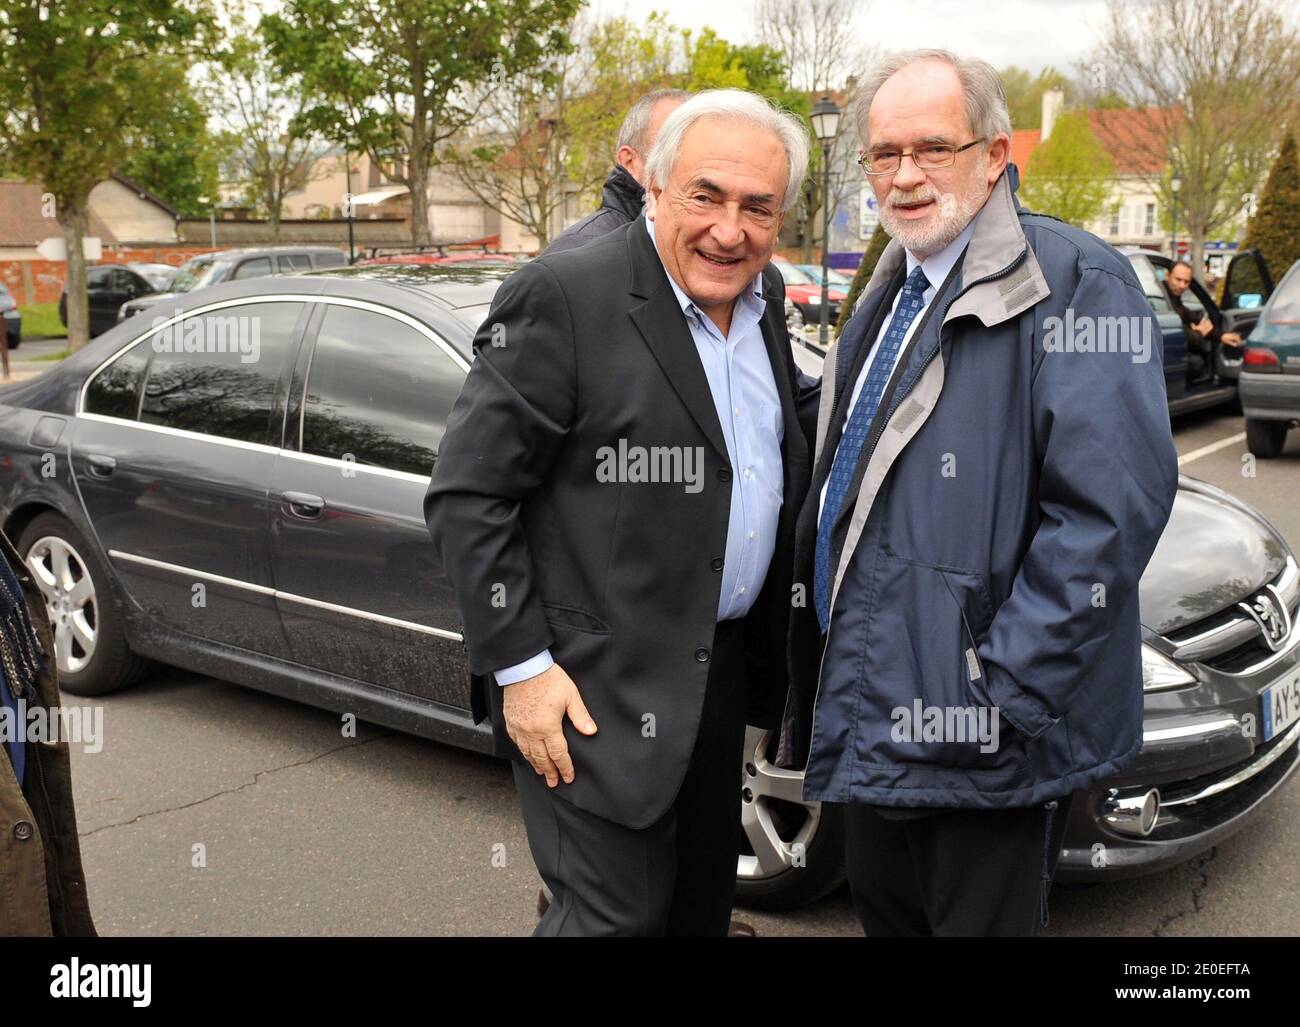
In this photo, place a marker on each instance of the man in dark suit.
(1203, 335)
(614, 501)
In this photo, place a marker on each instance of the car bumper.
(1270, 397)
(1212, 773)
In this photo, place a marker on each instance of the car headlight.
(815, 300)
(1159, 673)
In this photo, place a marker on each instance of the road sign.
(868, 212)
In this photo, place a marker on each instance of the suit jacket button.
(23, 830)
(716, 563)
(724, 475)
(702, 655)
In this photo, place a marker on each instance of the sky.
(1030, 33)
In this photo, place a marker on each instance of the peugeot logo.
(1268, 610)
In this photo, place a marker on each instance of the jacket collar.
(623, 193)
(997, 244)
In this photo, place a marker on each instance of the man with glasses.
(987, 489)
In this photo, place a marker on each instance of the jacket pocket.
(573, 619)
(922, 701)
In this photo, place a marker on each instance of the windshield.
(834, 278)
(791, 274)
(196, 273)
(1285, 308)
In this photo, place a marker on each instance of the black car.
(108, 286)
(234, 265)
(1219, 385)
(253, 510)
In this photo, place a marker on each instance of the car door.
(360, 587)
(1247, 285)
(1173, 338)
(102, 298)
(175, 441)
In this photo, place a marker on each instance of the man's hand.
(1231, 338)
(1203, 327)
(534, 710)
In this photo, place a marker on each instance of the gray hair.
(735, 105)
(632, 131)
(986, 101)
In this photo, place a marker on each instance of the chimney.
(1053, 101)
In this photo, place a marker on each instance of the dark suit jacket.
(619, 579)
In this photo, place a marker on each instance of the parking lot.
(216, 810)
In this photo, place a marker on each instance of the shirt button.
(724, 474)
(716, 563)
(23, 830)
(743, 590)
(737, 411)
(753, 534)
(749, 472)
(702, 655)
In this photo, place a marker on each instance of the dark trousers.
(676, 877)
(964, 872)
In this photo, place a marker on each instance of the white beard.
(954, 213)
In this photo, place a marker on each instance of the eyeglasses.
(928, 157)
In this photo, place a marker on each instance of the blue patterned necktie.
(910, 301)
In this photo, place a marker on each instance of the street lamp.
(826, 125)
(1175, 184)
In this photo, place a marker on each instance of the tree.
(1275, 228)
(76, 85)
(175, 155)
(1210, 82)
(1069, 175)
(270, 150)
(1025, 93)
(875, 247)
(398, 77)
(822, 50)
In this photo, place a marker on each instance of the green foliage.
(1025, 93)
(716, 63)
(1069, 175)
(1275, 228)
(875, 247)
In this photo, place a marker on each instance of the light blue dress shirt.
(749, 411)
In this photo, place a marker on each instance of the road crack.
(257, 778)
(1200, 867)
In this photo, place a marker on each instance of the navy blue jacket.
(1013, 488)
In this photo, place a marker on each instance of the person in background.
(625, 188)
(1203, 335)
(42, 886)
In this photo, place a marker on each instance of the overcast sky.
(1030, 33)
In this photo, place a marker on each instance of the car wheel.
(1265, 438)
(793, 851)
(90, 645)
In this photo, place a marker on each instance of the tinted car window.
(115, 391)
(1148, 277)
(378, 392)
(333, 258)
(196, 273)
(217, 373)
(1285, 306)
(258, 267)
(294, 262)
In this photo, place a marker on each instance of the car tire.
(775, 819)
(1265, 439)
(89, 638)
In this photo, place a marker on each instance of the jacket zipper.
(875, 437)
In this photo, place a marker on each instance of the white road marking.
(1213, 447)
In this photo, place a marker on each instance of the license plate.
(1280, 705)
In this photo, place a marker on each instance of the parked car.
(805, 297)
(836, 279)
(1246, 285)
(436, 257)
(236, 265)
(108, 286)
(12, 318)
(1270, 375)
(288, 492)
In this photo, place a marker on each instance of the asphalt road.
(214, 810)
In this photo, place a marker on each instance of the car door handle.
(101, 466)
(303, 504)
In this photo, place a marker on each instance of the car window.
(258, 267)
(791, 274)
(378, 392)
(195, 274)
(1285, 305)
(332, 258)
(1148, 278)
(115, 390)
(216, 373)
(1244, 288)
(289, 262)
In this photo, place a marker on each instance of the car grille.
(1231, 642)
